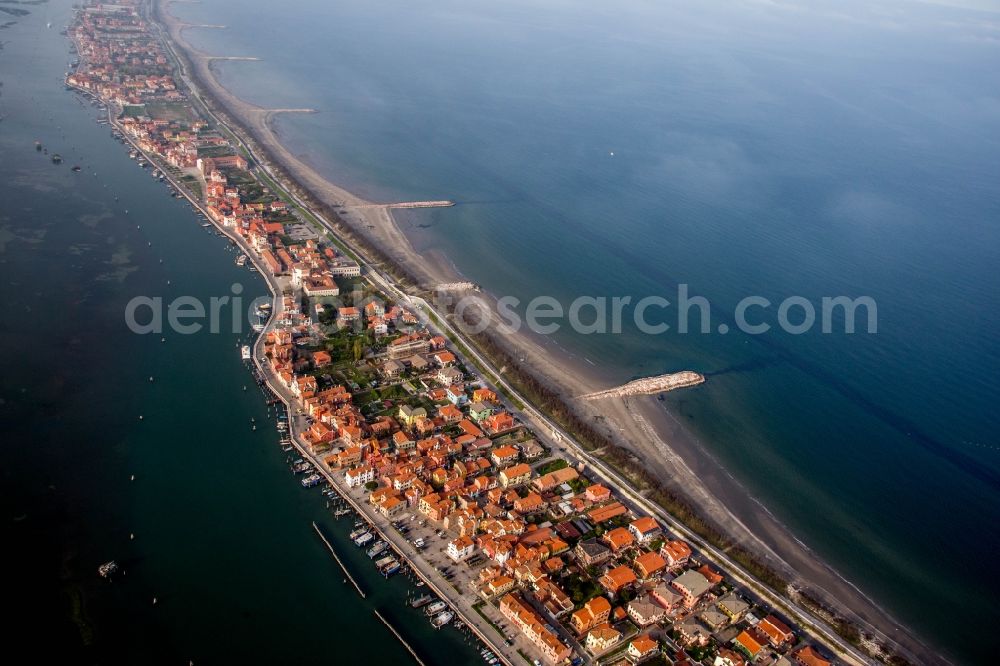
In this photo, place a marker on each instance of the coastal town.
(516, 535)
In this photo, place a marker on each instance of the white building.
(461, 548)
(359, 476)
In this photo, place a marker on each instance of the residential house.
(591, 552)
(461, 549)
(503, 456)
(359, 476)
(648, 565)
(750, 643)
(642, 648)
(515, 475)
(691, 585)
(617, 539)
(807, 655)
(593, 613)
(733, 606)
(547, 482)
(676, 553)
(601, 638)
(644, 612)
(617, 579)
(777, 632)
(645, 529)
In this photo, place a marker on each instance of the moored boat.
(444, 618)
(422, 600)
(436, 608)
(107, 569)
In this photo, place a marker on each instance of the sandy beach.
(639, 423)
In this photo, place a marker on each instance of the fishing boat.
(364, 539)
(391, 569)
(245, 352)
(377, 549)
(358, 532)
(384, 562)
(340, 513)
(436, 608)
(421, 601)
(440, 620)
(257, 327)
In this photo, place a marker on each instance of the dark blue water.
(773, 149)
(213, 526)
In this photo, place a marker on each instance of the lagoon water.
(222, 536)
(774, 149)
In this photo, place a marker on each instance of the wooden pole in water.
(334, 553)
(396, 633)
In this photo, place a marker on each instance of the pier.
(336, 557)
(408, 204)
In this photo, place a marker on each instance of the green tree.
(359, 350)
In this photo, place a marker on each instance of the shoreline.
(651, 429)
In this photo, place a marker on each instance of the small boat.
(38, 146)
(240, 260)
(75, 168)
(422, 600)
(436, 608)
(245, 352)
(107, 569)
(440, 620)
(311, 480)
(56, 158)
(257, 327)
